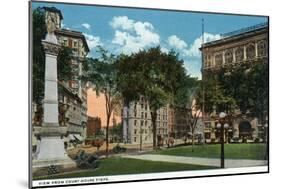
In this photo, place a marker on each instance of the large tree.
(248, 85)
(101, 73)
(213, 95)
(243, 87)
(155, 75)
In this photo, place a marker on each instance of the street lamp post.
(221, 125)
(266, 138)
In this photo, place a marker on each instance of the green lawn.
(232, 151)
(120, 166)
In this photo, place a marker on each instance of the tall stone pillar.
(51, 146)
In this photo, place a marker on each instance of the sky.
(96, 108)
(127, 30)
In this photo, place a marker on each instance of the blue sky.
(123, 30)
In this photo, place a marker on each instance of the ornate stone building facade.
(77, 42)
(246, 46)
(137, 126)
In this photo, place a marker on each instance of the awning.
(78, 137)
(71, 137)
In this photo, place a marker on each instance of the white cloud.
(194, 48)
(86, 25)
(93, 41)
(193, 67)
(190, 53)
(132, 36)
(176, 42)
(164, 49)
(121, 22)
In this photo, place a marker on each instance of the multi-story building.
(137, 126)
(241, 47)
(77, 42)
(93, 126)
(177, 122)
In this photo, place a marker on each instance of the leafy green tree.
(117, 131)
(243, 87)
(155, 75)
(258, 90)
(101, 73)
(38, 56)
(216, 95)
(248, 85)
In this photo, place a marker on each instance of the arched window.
(250, 50)
(228, 56)
(239, 54)
(262, 50)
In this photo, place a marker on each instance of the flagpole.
(202, 70)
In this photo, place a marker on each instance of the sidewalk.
(229, 163)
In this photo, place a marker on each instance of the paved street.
(229, 163)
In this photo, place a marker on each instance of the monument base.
(51, 152)
(62, 163)
(42, 167)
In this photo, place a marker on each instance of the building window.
(135, 122)
(218, 59)
(70, 43)
(262, 50)
(142, 115)
(65, 42)
(135, 131)
(239, 54)
(135, 139)
(145, 123)
(228, 56)
(145, 115)
(250, 50)
(73, 84)
(75, 44)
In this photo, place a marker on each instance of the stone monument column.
(51, 146)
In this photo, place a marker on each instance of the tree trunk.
(127, 104)
(106, 135)
(192, 140)
(108, 114)
(153, 120)
(193, 126)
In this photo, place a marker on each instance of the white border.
(14, 90)
(149, 176)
